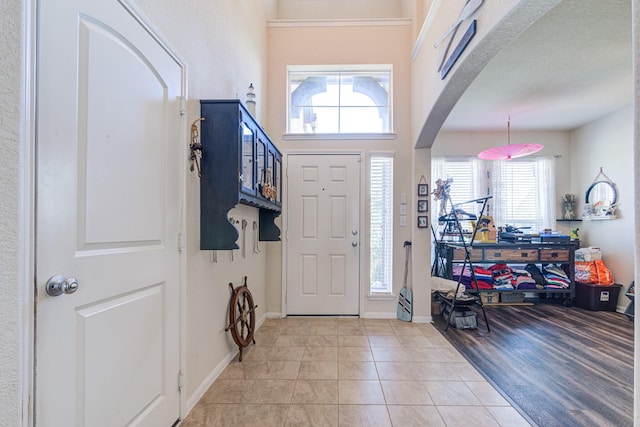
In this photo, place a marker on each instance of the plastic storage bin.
(631, 309)
(597, 297)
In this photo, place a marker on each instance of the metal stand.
(474, 294)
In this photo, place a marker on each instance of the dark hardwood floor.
(561, 366)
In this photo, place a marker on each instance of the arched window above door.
(339, 99)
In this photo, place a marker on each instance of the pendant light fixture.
(509, 151)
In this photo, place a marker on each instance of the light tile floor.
(351, 372)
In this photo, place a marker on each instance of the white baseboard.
(423, 319)
(193, 400)
(202, 388)
(273, 316)
(368, 315)
(379, 315)
(388, 315)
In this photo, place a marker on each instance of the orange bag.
(595, 272)
(604, 275)
(585, 272)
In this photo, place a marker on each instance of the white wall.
(608, 143)
(636, 202)
(12, 240)
(224, 46)
(340, 9)
(349, 43)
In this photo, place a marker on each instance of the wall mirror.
(602, 191)
(601, 200)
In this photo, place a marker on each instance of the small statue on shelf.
(568, 203)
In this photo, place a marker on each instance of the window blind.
(523, 190)
(515, 190)
(381, 228)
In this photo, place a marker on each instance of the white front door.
(323, 234)
(109, 177)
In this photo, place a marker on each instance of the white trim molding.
(338, 136)
(382, 22)
(381, 297)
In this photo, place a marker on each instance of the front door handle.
(354, 244)
(58, 285)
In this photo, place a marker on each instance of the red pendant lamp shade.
(509, 151)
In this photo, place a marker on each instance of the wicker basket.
(511, 297)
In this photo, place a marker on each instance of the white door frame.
(27, 286)
(364, 231)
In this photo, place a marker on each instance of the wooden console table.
(513, 254)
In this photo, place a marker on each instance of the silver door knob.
(58, 285)
(354, 244)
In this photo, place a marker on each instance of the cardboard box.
(491, 297)
(597, 297)
(435, 308)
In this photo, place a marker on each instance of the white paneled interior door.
(109, 176)
(323, 234)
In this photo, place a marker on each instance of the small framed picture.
(423, 189)
(422, 222)
(423, 205)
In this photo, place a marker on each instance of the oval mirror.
(603, 193)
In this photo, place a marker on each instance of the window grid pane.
(381, 229)
(515, 189)
(523, 190)
(317, 102)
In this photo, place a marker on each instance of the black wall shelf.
(238, 162)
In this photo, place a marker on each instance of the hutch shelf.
(240, 164)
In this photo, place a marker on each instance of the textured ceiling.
(570, 67)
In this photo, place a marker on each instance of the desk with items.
(510, 268)
(502, 264)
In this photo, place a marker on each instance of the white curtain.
(499, 175)
(546, 170)
(481, 183)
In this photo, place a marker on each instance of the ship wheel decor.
(242, 316)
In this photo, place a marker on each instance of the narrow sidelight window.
(381, 232)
